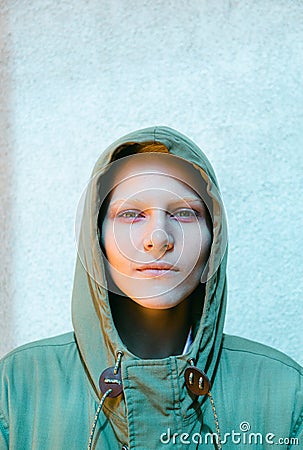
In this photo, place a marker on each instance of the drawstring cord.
(118, 363)
(92, 431)
(109, 392)
(213, 407)
(204, 387)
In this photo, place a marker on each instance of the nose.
(158, 239)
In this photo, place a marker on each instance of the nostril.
(148, 245)
(158, 239)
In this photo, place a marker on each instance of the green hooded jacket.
(50, 389)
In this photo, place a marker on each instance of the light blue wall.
(78, 74)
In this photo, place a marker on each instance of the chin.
(159, 296)
(158, 302)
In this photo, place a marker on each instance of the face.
(155, 232)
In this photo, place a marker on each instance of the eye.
(186, 214)
(130, 215)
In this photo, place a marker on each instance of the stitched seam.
(172, 380)
(297, 425)
(130, 417)
(15, 352)
(264, 356)
(4, 427)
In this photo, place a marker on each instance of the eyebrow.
(140, 204)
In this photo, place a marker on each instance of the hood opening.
(95, 332)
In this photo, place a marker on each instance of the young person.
(148, 365)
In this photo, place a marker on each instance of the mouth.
(156, 269)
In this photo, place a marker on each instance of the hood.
(97, 338)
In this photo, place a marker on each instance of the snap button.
(124, 447)
(109, 379)
(196, 381)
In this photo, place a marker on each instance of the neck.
(153, 333)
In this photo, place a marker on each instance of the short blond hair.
(131, 148)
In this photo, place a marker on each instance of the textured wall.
(75, 75)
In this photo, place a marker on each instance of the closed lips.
(157, 266)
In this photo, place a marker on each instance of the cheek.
(205, 246)
(196, 246)
(118, 246)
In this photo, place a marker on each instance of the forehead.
(155, 170)
(154, 190)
